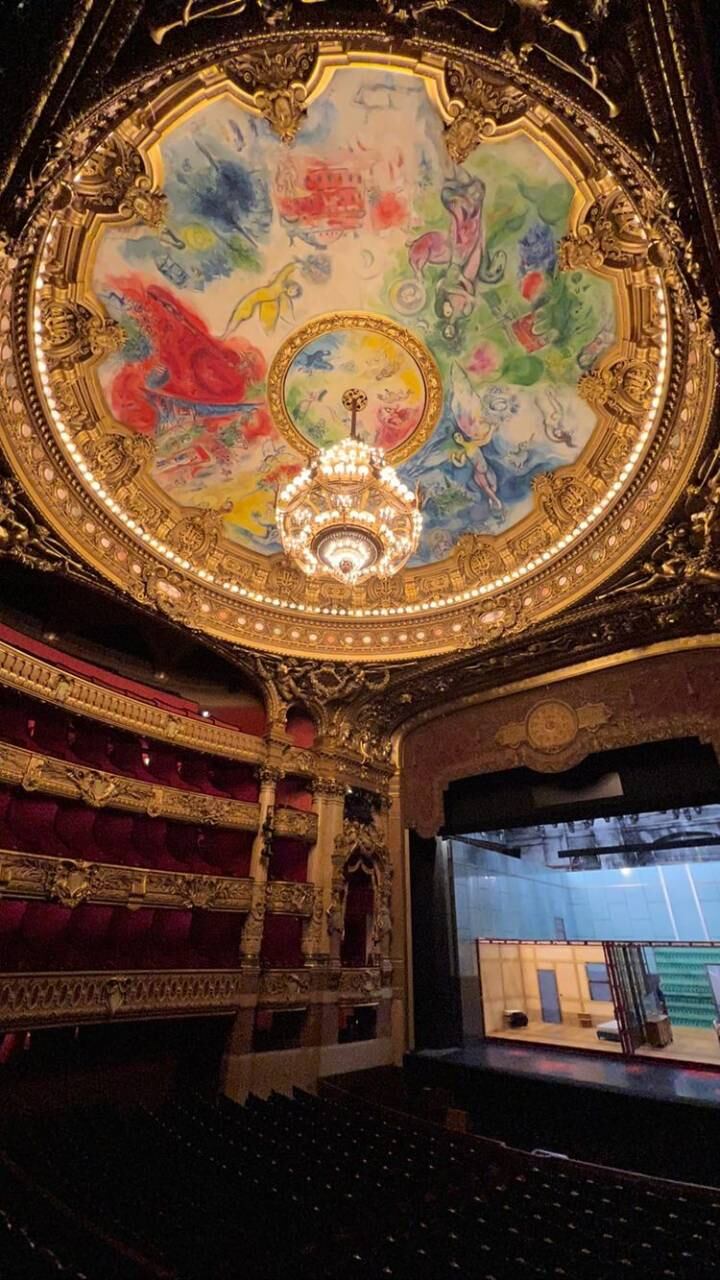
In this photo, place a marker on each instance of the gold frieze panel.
(37, 999)
(515, 310)
(71, 881)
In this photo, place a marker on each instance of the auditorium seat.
(31, 818)
(14, 716)
(50, 730)
(89, 744)
(235, 779)
(113, 833)
(194, 772)
(289, 859)
(75, 829)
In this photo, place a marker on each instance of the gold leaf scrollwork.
(197, 536)
(610, 234)
(116, 458)
(276, 78)
(114, 181)
(623, 387)
(563, 500)
(480, 103)
(72, 333)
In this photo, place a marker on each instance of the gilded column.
(323, 932)
(251, 938)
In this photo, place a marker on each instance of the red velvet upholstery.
(289, 860)
(293, 792)
(149, 842)
(113, 834)
(182, 844)
(300, 727)
(281, 944)
(7, 835)
(226, 852)
(215, 938)
(75, 829)
(14, 719)
(89, 745)
(126, 755)
(234, 779)
(194, 772)
(163, 764)
(31, 818)
(50, 730)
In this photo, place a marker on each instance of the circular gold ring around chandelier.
(393, 366)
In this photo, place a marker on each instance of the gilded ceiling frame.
(600, 240)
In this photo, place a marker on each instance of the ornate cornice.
(71, 881)
(297, 823)
(39, 999)
(289, 898)
(31, 675)
(285, 986)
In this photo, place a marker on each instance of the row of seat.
(309, 1188)
(31, 822)
(44, 936)
(36, 726)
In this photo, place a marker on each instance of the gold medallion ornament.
(197, 290)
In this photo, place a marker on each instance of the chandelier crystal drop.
(348, 515)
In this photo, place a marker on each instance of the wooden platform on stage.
(644, 1116)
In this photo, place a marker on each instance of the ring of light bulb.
(258, 597)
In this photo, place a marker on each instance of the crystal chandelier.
(348, 515)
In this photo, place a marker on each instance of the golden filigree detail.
(282, 986)
(289, 898)
(610, 234)
(552, 725)
(625, 386)
(24, 538)
(37, 999)
(73, 333)
(197, 536)
(278, 79)
(478, 557)
(362, 845)
(480, 103)
(564, 500)
(72, 881)
(114, 181)
(116, 458)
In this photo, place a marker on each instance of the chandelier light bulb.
(347, 515)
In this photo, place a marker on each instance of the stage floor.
(690, 1044)
(659, 1081)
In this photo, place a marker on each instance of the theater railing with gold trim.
(99, 789)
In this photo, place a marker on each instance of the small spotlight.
(205, 714)
(626, 871)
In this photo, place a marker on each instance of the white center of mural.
(364, 211)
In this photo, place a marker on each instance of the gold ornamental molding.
(31, 675)
(99, 790)
(72, 881)
(289, 898)
(44, 999)
(300, 987)
(551, 727)
(650, 384)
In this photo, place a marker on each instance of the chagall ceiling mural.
(208, 277)
(364, 211)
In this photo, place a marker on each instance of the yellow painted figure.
(272, 301)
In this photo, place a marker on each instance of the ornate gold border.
(39, 999)
(330, 323)
(71, 881)
(341, 626)
(99, 789)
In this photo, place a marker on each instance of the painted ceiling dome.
(226, 263)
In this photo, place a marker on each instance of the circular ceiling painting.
(217, 273)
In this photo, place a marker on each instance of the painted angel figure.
(474, 431)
